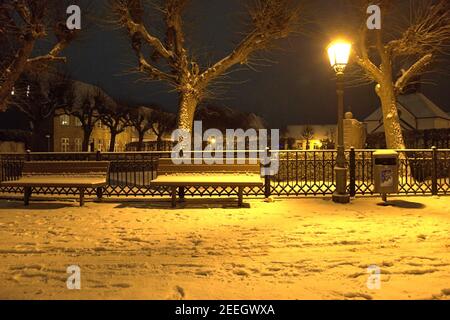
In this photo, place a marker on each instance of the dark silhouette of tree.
(24, 24)
(308, 135)
(117, 119)
(141, 120)
(162, 123)
(38, 96)
(85, 101)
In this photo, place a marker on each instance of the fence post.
(99, 191)
(434, 178)
(352, 171)
(267, 191)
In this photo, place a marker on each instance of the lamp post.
(48, 142)
(339, 54)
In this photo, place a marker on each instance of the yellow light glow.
(339, 54)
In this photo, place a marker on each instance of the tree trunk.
(86, 137)
(391, 119)
(186, 112)
(140, 141)
(38, 141)
(112, 142)
(159, 142)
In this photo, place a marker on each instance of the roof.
(420, 106)
(416, 105)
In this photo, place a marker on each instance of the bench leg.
(99, 193)
(181, 193)
(27, 195)
(240, 197)
(81, 197)
(174, 197)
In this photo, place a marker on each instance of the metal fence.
(301, 173)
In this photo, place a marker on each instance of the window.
(99, 124)
(64, 144)
(77, 122)
(64, 120)
(78, 147)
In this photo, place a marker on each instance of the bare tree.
(308, 135)
(24, 23)
(162, 123)
(117, 119)
(170, 61)
(141, 120)
(38, 96)
(84, 104)
(397, 55)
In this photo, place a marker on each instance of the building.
(416, 112)
(68, 136)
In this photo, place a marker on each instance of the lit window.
(99, 125)
(65, 120)
(64, 144)
(78, 146)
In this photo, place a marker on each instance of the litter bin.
(385, 169)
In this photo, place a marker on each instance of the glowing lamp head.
(339, 54)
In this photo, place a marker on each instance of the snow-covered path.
(288, 249)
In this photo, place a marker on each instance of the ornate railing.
(301, 173)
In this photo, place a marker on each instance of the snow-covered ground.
(287, 249)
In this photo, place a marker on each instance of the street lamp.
(339, 54)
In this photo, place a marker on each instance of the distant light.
(339, 54)
(13, 91)
(212, 140)
(28, 91)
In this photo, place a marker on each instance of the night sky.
(297, 89)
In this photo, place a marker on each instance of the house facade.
(68, 136)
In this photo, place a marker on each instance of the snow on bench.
(74, 174)
(207, 175)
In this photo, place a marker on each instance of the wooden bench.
(72, 174)
(205, 175)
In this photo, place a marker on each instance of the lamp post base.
(341, 198)
(341, 195)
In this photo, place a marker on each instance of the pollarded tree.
(395, 56)
(117, 118)
(162, 123)
(84, 103)
(24, 24)
(38, 96)
(141, 121)
(168, 59)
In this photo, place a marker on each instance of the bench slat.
(203, 168)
